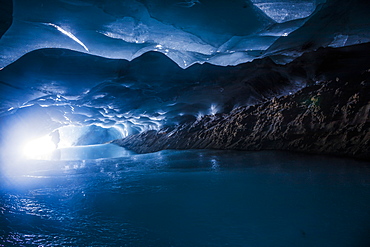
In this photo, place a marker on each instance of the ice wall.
(188, 31)
(335, 24)
(73, 88)
(139, 65)
(286, 10)
(215, 31)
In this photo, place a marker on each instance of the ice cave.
(185, 123)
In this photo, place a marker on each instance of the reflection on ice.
(188, 198)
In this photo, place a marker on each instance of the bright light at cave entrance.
(40, 148)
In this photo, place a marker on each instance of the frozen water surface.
(187, 198)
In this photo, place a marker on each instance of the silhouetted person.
(55, 137)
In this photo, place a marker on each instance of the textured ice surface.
(286, 10)
(87, 152)
(87, 135)
(64, 87)
(218, 32)
(51, 88)
(335, 23)
(186, 31)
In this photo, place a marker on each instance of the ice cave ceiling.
(141, 64)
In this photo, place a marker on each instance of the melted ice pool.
(188, 198)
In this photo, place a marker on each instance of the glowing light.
(69, 34)
(213, 110)
(39, 149)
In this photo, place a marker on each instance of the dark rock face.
(329, 117)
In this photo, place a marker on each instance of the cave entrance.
(76, 143)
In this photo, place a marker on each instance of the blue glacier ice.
(286, 10)
(135, 65)
(77, 74)
(127, 29)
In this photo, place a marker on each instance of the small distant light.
(213, 109)
(215, 164)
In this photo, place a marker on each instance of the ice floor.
(187, 198)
